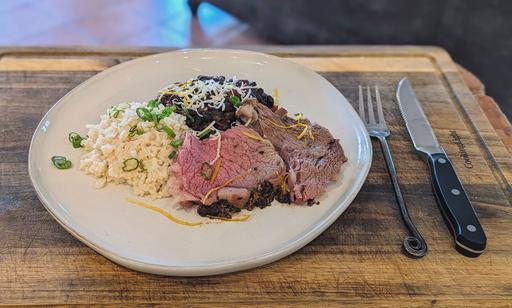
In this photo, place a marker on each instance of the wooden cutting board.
(357, 260)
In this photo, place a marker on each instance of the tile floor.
(119, 22)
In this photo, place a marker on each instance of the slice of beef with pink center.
(228, 168)
(313, 156)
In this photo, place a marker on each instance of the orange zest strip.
(252, 136)
(203, 200)
(281, 180)
(304, 131)
(215, 172)
(276, 97)
(311, 135)
(164, 213)
(284, 126)
(283, 183)
(301, 135)
(236, 219)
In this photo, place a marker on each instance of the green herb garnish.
(168, 131)
(172, 155)
(61, 162)
(134, 130)
(298, 116)
(204, 133)
(143, 113)
(155, 118)
(167, 111)
(177, 143)
(114, 111)
(141, 165)
(152, 104)
(234, 100)
(75, 139)
(130, 164)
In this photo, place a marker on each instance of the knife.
(470, 239)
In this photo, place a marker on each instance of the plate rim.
(206, 269)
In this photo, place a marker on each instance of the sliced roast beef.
(313, 156)
(228, 169)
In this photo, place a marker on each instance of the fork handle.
(414, 244)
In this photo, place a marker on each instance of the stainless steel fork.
(414, 244)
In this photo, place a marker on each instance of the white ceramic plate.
(146, 241)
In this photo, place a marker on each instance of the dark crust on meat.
(283, 197)
(311, 202)
(220, 209)
(262, 196)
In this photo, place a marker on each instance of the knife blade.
(452, 199)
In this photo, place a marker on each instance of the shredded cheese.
(301, 135)
(217, 156)
(198, 94)
(252, 136)
(215, 171)
(164, 213)
(311, 135)
(283, 183)
(210, 126)
(304, 131)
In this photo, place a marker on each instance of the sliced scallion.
(172, 155)
(152, 104)
(155, 118)
(143, 114)
(168, 131)
(116, 110)
(134, 130)
(61, 162)
(123, 106)
(167, 111)
(141, 166)
(177, 143)
(130, 164)
(235, 101)
(204, 133)
(75, 139)
(298, 116)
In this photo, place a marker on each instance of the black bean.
(220, 208)
(169, 99)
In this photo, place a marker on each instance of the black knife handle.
(470, 239)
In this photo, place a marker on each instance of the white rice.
(109, 144)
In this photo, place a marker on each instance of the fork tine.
(380, 112)
(361, 105)
(371, 116)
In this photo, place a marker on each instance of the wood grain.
(357, 261)
(366, 64)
